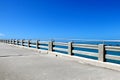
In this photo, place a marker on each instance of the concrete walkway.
(23, 64)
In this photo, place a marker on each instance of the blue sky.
(71, 19)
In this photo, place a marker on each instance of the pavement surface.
(23, 64)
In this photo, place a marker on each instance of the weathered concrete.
(23, 64)
(101, 52)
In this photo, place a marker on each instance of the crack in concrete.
(13, 55)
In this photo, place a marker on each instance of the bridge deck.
(23, 64)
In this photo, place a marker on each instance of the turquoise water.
(88, 50)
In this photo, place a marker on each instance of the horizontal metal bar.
(60, 43)
(25, 45)
(43, 46)
(114, 57)
(85, 53)
(112, 48)
(43, 42)
(60, 49)
(25, 41)
(85, 46)
(32, 45)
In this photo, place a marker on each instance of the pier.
(38, 60)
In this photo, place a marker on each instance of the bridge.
(27, 60)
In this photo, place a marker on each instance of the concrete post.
(17, 41)
(50, 45)
(14, 41)
(70, 48)
(22, 42)
(101, 55)
(11, 41)
(28, 43)
(8, 41)
(37, 44)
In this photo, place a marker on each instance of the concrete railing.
(69, 48)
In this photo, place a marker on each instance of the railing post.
(8, 41)
(14, 41)
(17, 41)
(11, 41)
(5, 41)
(50, 45)
(37, 44)
(22, 42)
(101, 55)
(70, 48)
(28, 43)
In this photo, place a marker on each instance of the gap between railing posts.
(17, 42)
(101, 52)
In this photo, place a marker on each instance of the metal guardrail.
(51, 46)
